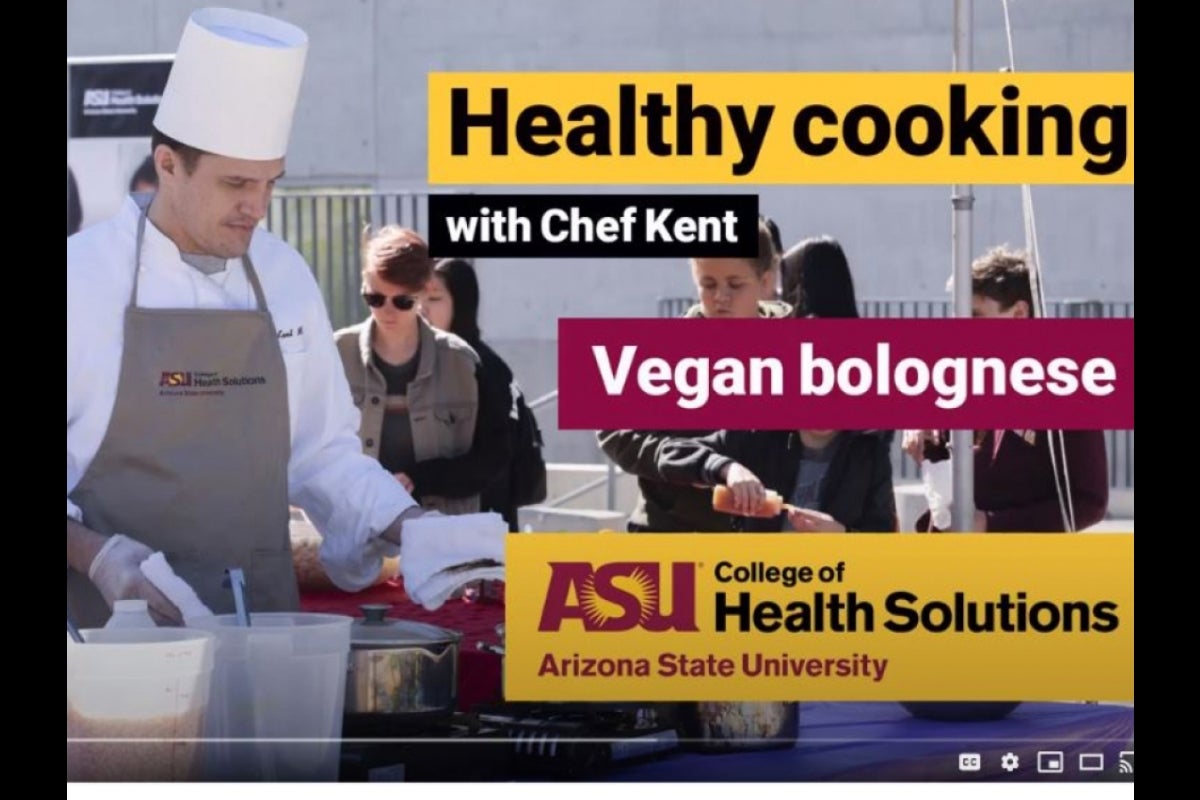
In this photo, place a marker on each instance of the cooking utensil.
(235, 579)
(401, 667)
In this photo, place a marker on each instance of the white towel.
(434, 548)
(159, 572)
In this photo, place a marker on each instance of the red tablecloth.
(478, 671)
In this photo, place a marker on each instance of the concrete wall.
(361, 122)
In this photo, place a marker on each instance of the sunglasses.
(403, 302)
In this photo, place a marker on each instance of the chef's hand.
(405, 481)
(748, 491)
(913, 443)
(807, 520)
(117, 573)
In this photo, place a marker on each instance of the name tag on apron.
(292, 339)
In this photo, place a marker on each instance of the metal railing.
(669, 307)
(327, 227)
(938, 309)
(608, 480)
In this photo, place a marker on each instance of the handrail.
(578, 491)
(546, 399)
(609, 481)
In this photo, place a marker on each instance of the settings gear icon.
(1009, 762)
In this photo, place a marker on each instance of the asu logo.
(620, 596)
(175, 379)
(97, 98)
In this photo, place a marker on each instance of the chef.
(203, 388)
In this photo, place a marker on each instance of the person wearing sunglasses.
(451, 303)
(430, 414)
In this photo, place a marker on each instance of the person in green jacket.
(728, 288)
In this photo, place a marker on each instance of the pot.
(400, 667)
(725, 727)
(640, 715)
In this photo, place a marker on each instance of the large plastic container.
(279, 690)
(136, 704)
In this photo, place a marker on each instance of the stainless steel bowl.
(723, 727)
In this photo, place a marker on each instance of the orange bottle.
(772, 505)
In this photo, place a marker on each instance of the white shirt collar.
(156, 246)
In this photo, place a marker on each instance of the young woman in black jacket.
(451, 302)
(839, 481)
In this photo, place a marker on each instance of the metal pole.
(610, 487)
(962, 201)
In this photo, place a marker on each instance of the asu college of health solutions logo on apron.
(194, 383)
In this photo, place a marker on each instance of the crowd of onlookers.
(841, 481)
(444, 413)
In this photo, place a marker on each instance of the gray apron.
(194, 460)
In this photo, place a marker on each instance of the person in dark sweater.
(1016, 489)
(818, 284)
(1015, 485)
(838, 481)
(450, 302)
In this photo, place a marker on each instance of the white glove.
(117, 572)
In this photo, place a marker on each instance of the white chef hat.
(234, 84)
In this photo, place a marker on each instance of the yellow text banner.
(656, 617)
(780, 128)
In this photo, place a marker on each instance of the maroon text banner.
(680, 374)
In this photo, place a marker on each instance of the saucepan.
(641, 714)
(400, 669)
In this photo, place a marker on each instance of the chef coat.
(349, 497)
